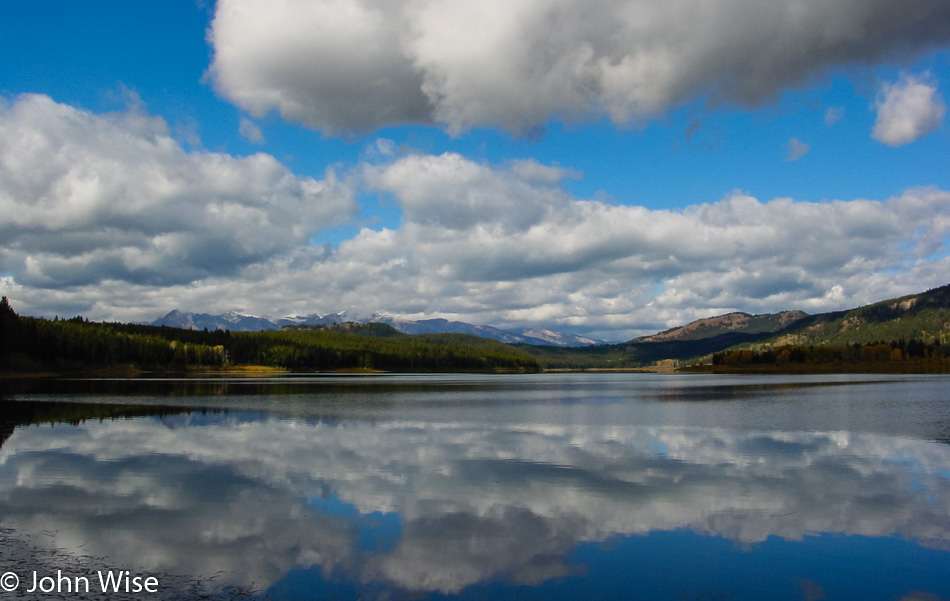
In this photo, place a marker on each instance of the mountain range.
(237, 322)
(910, 333)
(924, 316)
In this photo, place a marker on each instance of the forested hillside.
(30, 344)
(907, 334)
(910, 333)
(924, 316)
(634, 354)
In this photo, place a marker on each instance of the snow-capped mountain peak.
(239, 322)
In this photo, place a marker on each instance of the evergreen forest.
(33, 345)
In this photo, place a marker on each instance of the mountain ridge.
(735, 321)
(239, 322)
(924, 315)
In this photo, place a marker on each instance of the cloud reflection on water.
(236, 493)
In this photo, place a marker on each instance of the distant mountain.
(443, 326)
(923, 317)
(730, 322)
(559, 338)
(237, 322)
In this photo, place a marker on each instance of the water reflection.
(453, 507)
(917, 407)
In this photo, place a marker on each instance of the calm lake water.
(551, 486)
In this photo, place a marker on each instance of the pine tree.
(9, 327)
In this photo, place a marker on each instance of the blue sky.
(610, 171)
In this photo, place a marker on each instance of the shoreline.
(647, 369)
(822, 369)
(132, 372)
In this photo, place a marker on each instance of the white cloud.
(249, 130)
(333, 64)
(795, 149)
(88, 198)
(586, 264)
(354, 65)
(907, 111)
(106, 216)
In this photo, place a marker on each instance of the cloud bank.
(107, 216)
(215, 498)
(88, 198)
(355, 65)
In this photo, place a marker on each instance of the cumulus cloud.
(551, 256)
(86, 199)
(330, 64)
(106, 216)
(907, 111)
(354, 65)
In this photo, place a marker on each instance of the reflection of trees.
(192, 388)
(725, 392)
(27, 413)
(474, 501)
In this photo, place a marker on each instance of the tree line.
(36, 344)
(894, 356)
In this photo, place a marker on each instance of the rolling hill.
(923, 317)
(722, 324)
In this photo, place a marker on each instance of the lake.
(548, 486)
